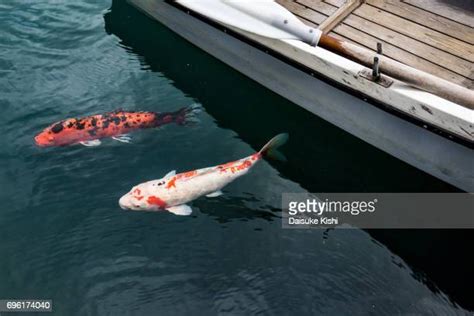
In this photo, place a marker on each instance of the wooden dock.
(427, 35)
(429, 132)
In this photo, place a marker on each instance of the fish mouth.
(40, 142)
(127, 205)
(123, 203)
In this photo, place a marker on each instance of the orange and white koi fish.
(89, 130)
(173, 191)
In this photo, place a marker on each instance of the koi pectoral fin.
(182, 210)
(91, 143)
(123, 138)
(215, 194)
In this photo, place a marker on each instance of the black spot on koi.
(57, 128)
(80, 125)
(116, 120)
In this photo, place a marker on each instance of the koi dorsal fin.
(170, 174)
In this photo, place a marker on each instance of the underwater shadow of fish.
(237, 209)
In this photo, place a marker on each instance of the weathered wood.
(398, 54)
(311, 17)
(431, 20)
(407, 74)
(346, 30)
(440, 8)
(335, 35)
(416, 31)
(391, 67)
(341, 13)
(434, 55)
(443, 9)
(297, 9)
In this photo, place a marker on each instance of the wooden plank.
(426, 35)
(389, 50)
(315, 17)
(468, 83)
(400, 55)
(428, 19)
(339, 15)
(443, 9)
(310, 17)
(314, 5)
(434, 55)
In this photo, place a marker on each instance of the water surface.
(63, 236)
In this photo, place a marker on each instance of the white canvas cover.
(262, 17)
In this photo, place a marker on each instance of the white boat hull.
(434, 154)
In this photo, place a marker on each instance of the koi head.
(44, 140)
(61, 133)
(143, 197)
(49, 136)
(54, 135)
(133, 200)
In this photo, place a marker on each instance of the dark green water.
(63, 236)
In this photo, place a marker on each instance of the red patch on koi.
(233, 167)
(171, 183)
(226, 166)
(244, 165)
(256, 156)
(167, 118)
(154, 200)
(137, 194)
(188, 174)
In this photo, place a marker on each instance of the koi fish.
(173, 191)
(89, 130)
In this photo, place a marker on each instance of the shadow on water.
(321, 157)
(238, 210)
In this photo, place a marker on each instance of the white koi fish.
(173, 191)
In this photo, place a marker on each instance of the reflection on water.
(65, 238)
(326, 160)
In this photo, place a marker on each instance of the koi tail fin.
(187, 115)
(271, 148)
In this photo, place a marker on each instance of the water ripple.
(64, 236)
